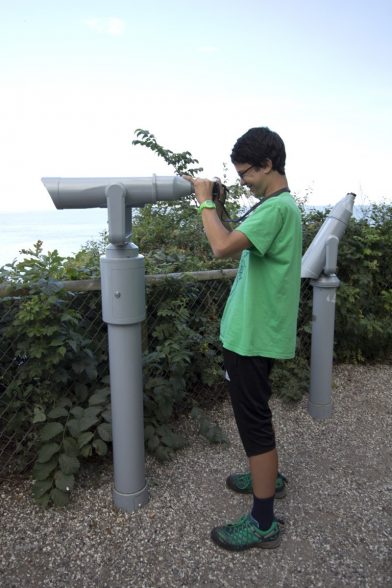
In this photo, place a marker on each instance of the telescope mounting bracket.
(119, 215)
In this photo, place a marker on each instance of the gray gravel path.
(338, 510)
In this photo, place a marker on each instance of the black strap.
(238, 220)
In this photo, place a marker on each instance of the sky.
(77, 78)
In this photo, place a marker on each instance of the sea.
(64, 230)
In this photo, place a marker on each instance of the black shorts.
(250, 391)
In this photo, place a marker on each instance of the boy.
(259, 321)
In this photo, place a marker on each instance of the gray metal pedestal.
(123, 309)
(323, 324)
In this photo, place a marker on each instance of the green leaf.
(64, 482)
(92, 411)
(86, 422)
(107, 415)
(80, 388)
(77, 412)
(56, 342)
(78, 366)
(91, 372)
(39, 415)
(64, 401)
(149, 431)
(50, 430)
(47, 451)
(99, 397)
(59, 497)
(58, 412)
(82, 391)
(105, 431)
(69, 465)
(85, 438)
(74, 427)
(172, 440)
(86, 451)
(153, 443)
(41, 487)
(163, 453)
(100, 447)
(43, 500)
(70, 447)
(41, 471)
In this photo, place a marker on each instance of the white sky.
(78, 77)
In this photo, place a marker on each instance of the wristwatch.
(206, 204)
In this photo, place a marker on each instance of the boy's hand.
(203, 188)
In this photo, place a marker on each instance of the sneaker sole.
(262, 545)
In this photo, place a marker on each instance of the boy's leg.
(264, 469)
(250, 391)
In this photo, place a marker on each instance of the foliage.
(36, 267)
(363, 327)
(71, 431)
(290, 378)
(180, 357)
(181, 162)
(170, 235)
(55, 381)
(51, 378)
(364, 318)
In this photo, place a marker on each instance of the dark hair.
(257, 145)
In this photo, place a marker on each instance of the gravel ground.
(338, 510)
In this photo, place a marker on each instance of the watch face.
(209, 204)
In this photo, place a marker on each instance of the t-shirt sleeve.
(262, 227)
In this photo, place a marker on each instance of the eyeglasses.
(243, 173)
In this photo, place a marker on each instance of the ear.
(267, 166)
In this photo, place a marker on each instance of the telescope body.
(334, 226)
(123, 310)
(92, 192)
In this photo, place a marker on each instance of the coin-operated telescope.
(321, 256)
(123, 309)
(118, 195)
(319, 263)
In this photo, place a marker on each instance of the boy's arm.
(224, 243)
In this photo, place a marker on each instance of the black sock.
(263, 511)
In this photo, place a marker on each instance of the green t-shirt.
(260, 316)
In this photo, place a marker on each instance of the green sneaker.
(243, 483)
(245, 533)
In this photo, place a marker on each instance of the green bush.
(53, 380)
(364, 318)
(182, 361)
(55, 383)
(363, 326)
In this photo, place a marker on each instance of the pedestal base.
(319, 411)
(130, 502)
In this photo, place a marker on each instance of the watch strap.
(206, 204)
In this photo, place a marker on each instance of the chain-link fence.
(202, 296)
